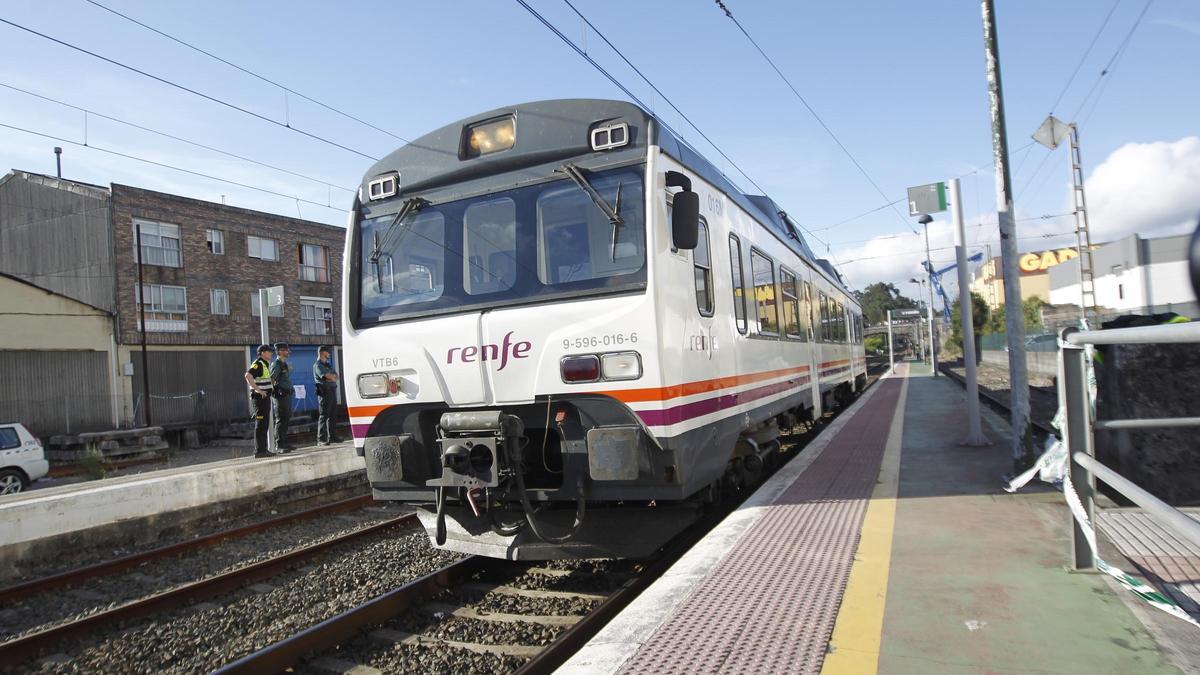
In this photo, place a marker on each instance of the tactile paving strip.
(770, 604)
(1170, 562)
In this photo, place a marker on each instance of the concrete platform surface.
(949, 573)
(60, 510)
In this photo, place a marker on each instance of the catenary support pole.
(1018, 377)
(891, 355)
(262, 316)
(975, 435)
(929, 272)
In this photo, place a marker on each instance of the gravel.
(59, 606)
(502, 603)
(1043, 398)
(411, 659)
(477, 631)
(210, 634)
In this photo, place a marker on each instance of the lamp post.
(925, 220)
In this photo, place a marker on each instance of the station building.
(1132, 275)
(72, 307)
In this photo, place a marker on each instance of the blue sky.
(902, 85)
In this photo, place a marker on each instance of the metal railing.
(1079, 427)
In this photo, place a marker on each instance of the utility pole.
(891, 356)
(1018, 378)
(966, 316)
(142, 319)
(1083, 236)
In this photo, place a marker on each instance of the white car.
(22, 459)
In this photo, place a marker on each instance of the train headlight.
(621, 366)
(374, 385)
(488, 137)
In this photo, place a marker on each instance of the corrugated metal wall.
(192, 386)
(57, 238)
(53, 392)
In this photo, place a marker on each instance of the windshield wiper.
(609, 212)
(411, 205)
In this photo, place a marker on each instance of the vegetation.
(875, 343)
(979, 317)
(880, 297)
(1031, 308)
(92, 465)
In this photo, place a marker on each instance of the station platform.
(886, 546)
(84, 513)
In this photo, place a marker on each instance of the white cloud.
(1152, 189)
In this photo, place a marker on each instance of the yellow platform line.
(858, 631)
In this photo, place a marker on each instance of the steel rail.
(29, 646)
(74, 576)
(333, 631)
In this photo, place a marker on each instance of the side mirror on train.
(1194, 261)
(685, 220)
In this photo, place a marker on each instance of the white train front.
(566, 332)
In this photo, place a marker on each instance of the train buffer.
(886, 546)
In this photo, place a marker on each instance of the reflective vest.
(261, 371)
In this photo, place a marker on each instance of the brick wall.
(234, 271)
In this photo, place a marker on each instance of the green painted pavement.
(978, 581)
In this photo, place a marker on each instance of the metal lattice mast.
(1083, 236)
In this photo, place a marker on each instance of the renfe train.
(566, 332)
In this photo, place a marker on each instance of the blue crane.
(935, 278)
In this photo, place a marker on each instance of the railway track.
(482, 614)
(38, 637)
(997, 404)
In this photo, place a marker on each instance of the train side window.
(702, 266)
(791, 304)
(806, 309)
(823, 307)
(763, 269)
(739, 282)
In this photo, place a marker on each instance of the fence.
(1079, 427)
(191, 386)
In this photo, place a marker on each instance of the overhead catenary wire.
(1083, 58)
(184, 88)
(811, 110)
(172, 167)
(173, 137)
(249, 72)
(616, 82)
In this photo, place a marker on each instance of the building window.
(160, 243)
(702, 262)
(763, 270)
(316, 316)
(166, 308)
(791, 304)
(216, 242)
(263, 249)
(256, 310)
(219, 299)
(314, 263)
(739, 283)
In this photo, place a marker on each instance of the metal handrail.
(1174, 333)
(1183, 524)
(1079, 428)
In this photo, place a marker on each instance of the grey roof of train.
(434, 161)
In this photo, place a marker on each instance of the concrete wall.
(1041, 363)
(55, 234)
(33, 318)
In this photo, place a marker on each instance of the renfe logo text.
(500, 352)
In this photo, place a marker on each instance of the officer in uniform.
(325, 382)
(259, 379)
(281, 373)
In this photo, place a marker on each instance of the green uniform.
(281, 404)
(327, 399)
(260, 407)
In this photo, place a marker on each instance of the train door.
(812, 344)
(702, 339)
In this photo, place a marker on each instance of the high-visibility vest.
(263, 380)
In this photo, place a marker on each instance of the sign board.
(275, 296)
(1052, 132)
(927, 199)
(1040, 261)
(299, 391)
(906, 312)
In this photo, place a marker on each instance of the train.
(567, 334)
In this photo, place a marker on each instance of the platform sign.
(275, 296)
(906, 312)
(924, 199)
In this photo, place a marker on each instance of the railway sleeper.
(402, 638)
(438, 608)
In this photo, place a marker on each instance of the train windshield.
(528, 244)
